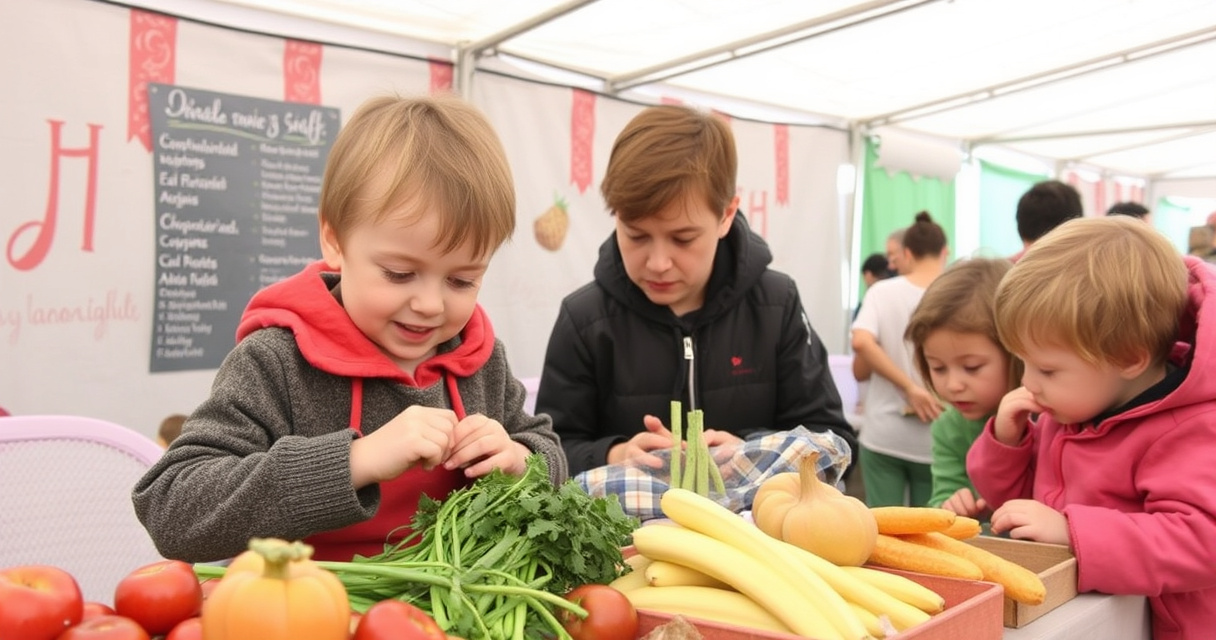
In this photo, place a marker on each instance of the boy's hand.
(418, 435)
(638, 448)
(482, 445)
(1013, 416)
(1031, 520)
(964, 503)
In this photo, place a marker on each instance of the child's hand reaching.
(1013, 415)
(965, 503)
(418, 435)
(482, 445)
(1031, 520)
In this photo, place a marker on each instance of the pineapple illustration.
(550, 227)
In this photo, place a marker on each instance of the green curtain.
(891, 202)
(1000, 189)
(1174, 217)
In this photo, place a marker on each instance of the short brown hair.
(438, 148)
(665, 152)
(962, 299)
(1106, 288)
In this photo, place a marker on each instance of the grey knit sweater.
(268, 453)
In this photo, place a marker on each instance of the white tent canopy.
(1121, 87)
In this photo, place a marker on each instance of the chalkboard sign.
(238, 180)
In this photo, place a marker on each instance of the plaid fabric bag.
(744, 466)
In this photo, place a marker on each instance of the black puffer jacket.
(757, 365)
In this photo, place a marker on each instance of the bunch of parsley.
(492, 560)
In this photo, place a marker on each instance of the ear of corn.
(963, 528)
(1020, 583)
(899, 553)
(896, 521)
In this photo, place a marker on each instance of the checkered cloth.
(744, 466)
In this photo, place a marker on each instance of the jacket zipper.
(692, 382)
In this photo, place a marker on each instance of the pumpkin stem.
(279, 554)
(808, 473)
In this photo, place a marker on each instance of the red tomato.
(38, 602)
(159, 595)
(397, 620)
(188, 629)
(96, 609)
(610, 615)
(106, 628)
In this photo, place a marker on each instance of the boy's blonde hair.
(441, 153)
(665, 152)
(1108, 289)
(962, 299)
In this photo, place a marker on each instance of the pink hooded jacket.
(1138, 489)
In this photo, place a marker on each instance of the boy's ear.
(728, 217)
(1137, 366)
(331, 249)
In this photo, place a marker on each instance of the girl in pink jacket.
(1109, 446)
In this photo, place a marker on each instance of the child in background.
(1118, 336)
(372, 377)
(170, 428)
(958, 352)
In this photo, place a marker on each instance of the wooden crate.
(1054, 563)
(973, 612)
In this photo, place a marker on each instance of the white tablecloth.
(1090, 616)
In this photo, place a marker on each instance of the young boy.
(372, 377)
(683, 307)
(1118, 335)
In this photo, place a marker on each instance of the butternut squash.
(800, 509)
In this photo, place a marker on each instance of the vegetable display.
(928, 540)
(37, 602)
(159, 595)
(280, 603)
(692, 464)
(808, 513)
(494, 560)
(762, 582)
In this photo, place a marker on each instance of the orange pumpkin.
(286, 600)
(806, 512)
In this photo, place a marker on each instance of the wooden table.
(1090, 616)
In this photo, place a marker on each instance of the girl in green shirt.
(955, 345)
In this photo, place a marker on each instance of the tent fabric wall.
(75, 329)
(890, 201)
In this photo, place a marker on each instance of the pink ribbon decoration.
(582, 132)
(441, 76)
(152, 54)
(302, 72)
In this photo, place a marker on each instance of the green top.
(952, 437)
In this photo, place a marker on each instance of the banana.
(909, 591)
(719, 605)
(701, 514)
(667, 574)
(871, 621)
(857, 591)
(752, 578)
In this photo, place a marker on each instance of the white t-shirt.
(885, 310)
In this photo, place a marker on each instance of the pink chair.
(65, 498)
